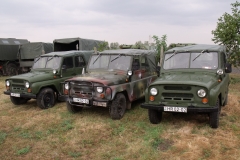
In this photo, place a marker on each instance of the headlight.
(153, 91)
(220, 72)
(54, 71)
(7, 83)
(66, 86)
(99, 89)
(201, 93)
(27, 85)
(129, 73)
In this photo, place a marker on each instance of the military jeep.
(193, 79)
(114, 79)
(43, 82)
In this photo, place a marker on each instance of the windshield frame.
(112, 62)
(188, 60)
(47, 62)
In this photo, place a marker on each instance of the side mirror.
(228, 68)
(158, 70)
(64, 67)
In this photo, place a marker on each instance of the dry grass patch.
(27, 132)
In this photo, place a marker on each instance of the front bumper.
(92, 102)
(190, 109)
(23, 95)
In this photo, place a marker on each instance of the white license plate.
(175, 109)
(102, 104)
(80, 100)
(15, 94)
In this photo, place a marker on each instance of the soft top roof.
(130, 52)
(12, 41)
(199, 48)
(85, 54)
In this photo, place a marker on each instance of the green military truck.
(193, 78)
(9, 63)
(113, 79)
(29, 51)
(43, 82)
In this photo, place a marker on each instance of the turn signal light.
(204, 100)
(151, 98)
(102, 96)
(29, 90)
(7, 87)
(65, 91)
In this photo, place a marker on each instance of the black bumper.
(191, 109)
(23, 95)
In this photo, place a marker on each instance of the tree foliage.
(159, 43)
(103, 46)
(227, 33)
(114, 45)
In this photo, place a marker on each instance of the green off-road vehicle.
(114, 79)
(43, 82)
(193, 79)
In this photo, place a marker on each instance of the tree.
(227, 33)
(114, 45)
(160, 43)
(103, 46)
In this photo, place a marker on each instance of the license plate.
(15, 94)
(175, 109)
(102, 104)
(80, 100)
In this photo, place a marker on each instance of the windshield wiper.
(171, 56)
(37, 59)
(199, 54)
(118, 57)
(97, 58)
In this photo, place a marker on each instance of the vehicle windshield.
(120, 62)
(47, 62)
(191, 60)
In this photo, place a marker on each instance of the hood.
(199, 79)
(35, 76)
(106, 78)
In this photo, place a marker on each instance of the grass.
(27, 132)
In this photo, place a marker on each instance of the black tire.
(154, 116)
(214, 116)
(18, 100)
(73, 109)
(118, 107)
(12, 69)
(46, 98)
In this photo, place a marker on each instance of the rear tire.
(72, 108)
(12, 69)
(46, 98)
(18, 100)
(214, 116)
(154, 116)
(118, 107)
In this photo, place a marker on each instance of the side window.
(144, 63)
(79, 62)
(68, 62)
(135, 64)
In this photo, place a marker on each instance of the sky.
(122, 21)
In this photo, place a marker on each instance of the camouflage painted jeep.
(193, 79)
(43, 81)
(114, 79)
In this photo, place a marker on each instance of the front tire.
(118, 107)
(46, 98)
(72, 108)
(18, 100)
(214, 116)
(154, 116)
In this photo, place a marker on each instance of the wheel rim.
(47, 100)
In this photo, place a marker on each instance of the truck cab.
(193, 78)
